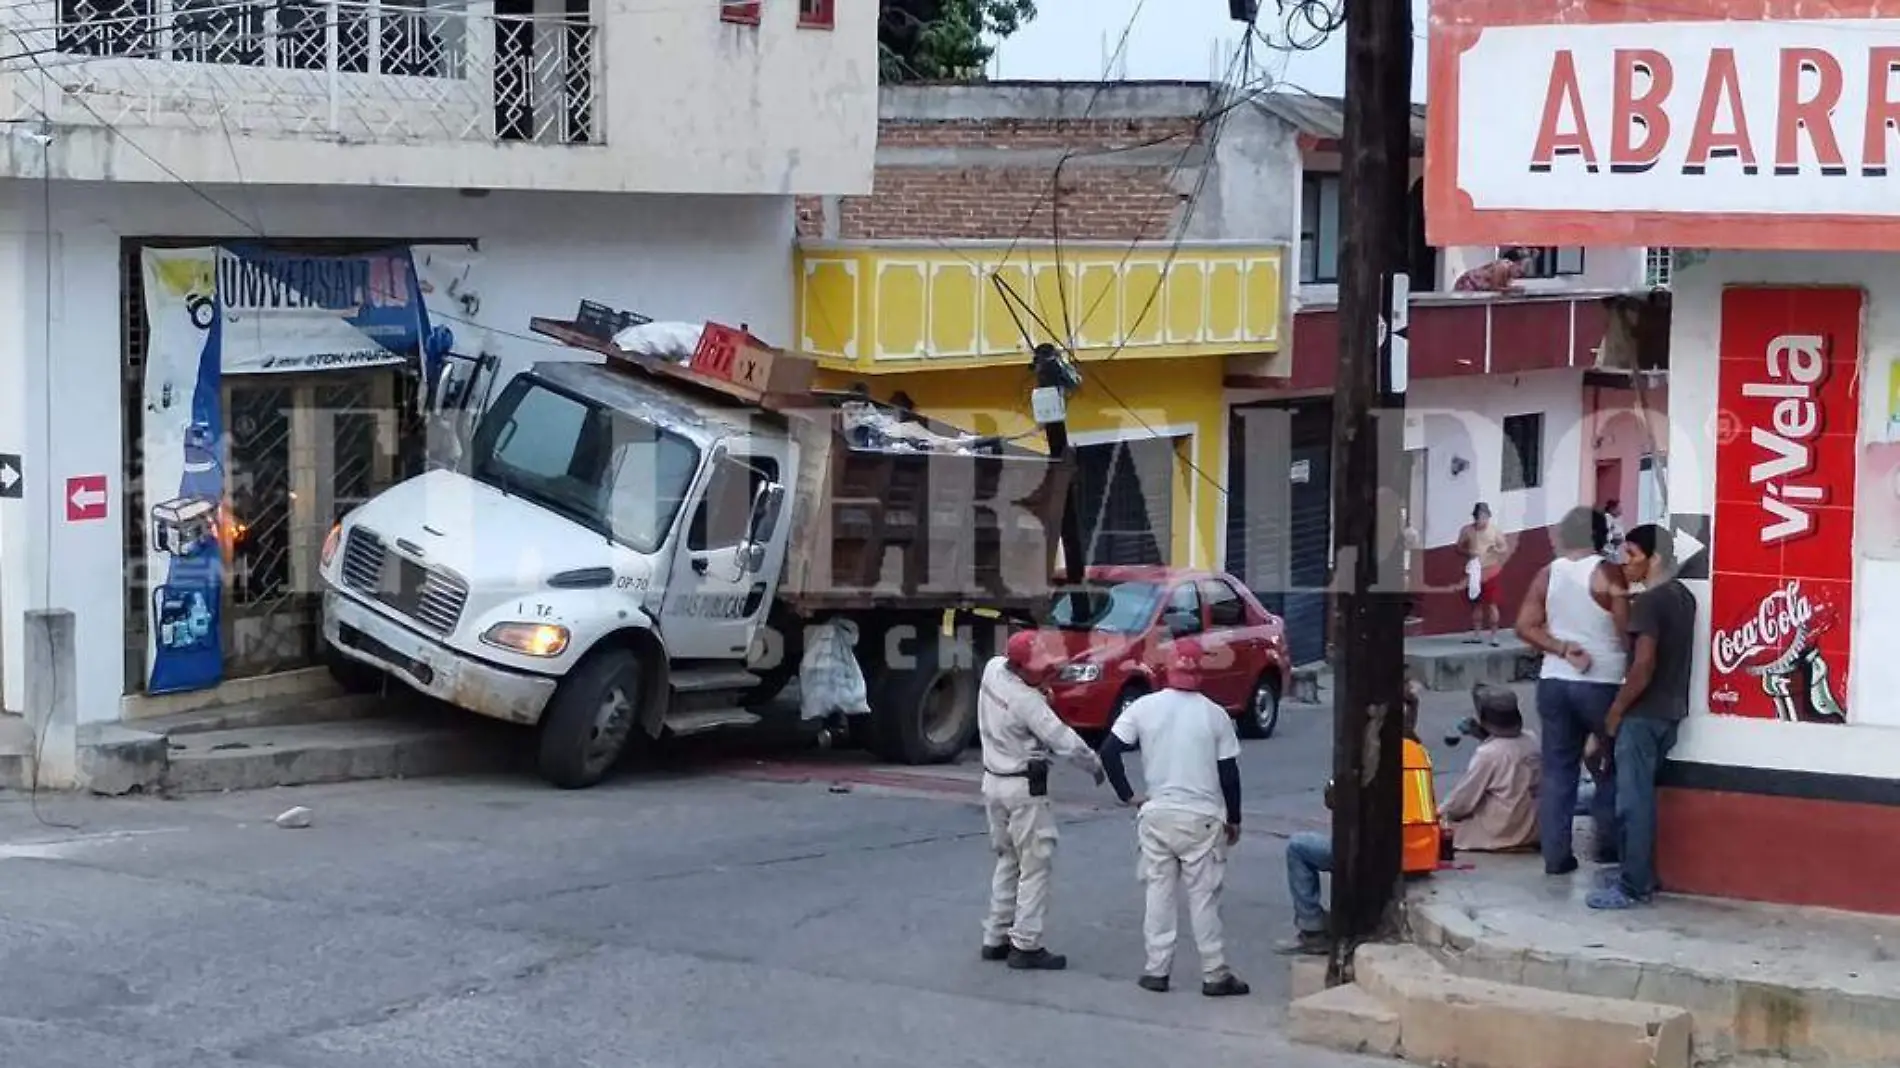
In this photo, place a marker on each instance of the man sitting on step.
(1309, 853)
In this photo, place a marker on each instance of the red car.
(1115, 654)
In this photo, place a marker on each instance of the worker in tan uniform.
(1019, 732)
(1190, 816)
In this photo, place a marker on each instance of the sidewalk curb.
(1812, 1023)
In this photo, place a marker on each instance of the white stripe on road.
(57, 848)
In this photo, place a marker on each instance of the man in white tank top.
(1576, 613)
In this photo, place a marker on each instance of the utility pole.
(1368, 601)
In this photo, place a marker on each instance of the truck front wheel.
(925, 714)
(590, 720)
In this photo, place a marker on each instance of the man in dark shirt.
(1649, 708)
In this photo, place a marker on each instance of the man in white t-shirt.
(1189, 818)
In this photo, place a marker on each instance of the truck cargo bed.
(900, 528)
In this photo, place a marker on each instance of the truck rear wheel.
(925, 714)
(593, 716)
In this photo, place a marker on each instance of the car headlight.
(1080, 673)
(528, 639)
(330, 542)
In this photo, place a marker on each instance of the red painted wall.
(1448, 340)
(1442, 604)
(1790, 851)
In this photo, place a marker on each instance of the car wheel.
(1263, 708)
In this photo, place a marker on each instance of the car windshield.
(1123, 608)
(601, 468)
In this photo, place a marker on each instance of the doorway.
(301, 451)
(1127, 497)
(1279, 513)
(1609, 485)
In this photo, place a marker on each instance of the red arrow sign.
(85, 498)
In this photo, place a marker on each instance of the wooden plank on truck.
(728, 362)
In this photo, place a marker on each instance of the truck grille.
(427, 595)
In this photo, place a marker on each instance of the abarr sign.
(1630, 124)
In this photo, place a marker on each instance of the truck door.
(713, 604)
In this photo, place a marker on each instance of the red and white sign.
(1697, 123)
(1782, 575)
(85, 498)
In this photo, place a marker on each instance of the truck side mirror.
(767, 504)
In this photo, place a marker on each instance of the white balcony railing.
(377, 71)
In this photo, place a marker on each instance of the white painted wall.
(1870, 745)
(670, 257)
(689, 104)
(1463, 418)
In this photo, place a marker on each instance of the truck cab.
(598, 523)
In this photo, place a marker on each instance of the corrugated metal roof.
(1324, 117)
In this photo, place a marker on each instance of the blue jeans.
(1307, 854)
(1570, 713)
(1641, 745)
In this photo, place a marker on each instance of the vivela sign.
(245, 310)
(1782, 583)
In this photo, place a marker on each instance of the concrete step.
(1345, 1018)
(1452, 664)
(252, 758)
(1477, 1023)
(16, 753)
(1308, 976)
(1766, 986)
(272, 712)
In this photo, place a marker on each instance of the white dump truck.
(636, 548)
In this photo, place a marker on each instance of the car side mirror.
(767, 505)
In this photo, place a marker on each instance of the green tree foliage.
(944, 40)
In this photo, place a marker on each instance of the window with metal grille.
(1552, 261)
(1656, 267)
(1523, 459)
(816, 14)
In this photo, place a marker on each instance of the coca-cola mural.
(1782, 576)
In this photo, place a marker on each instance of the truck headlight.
(1080, 673)
(330, 542)
(528, 639)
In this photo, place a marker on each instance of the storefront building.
(1512, 403)
(1763, 138)
(229, 305)
(1094, 217)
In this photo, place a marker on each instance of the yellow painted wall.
(1132, 399)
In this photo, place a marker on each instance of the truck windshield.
(602, 468)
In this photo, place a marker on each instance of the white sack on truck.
(866, 426)
(665, 341)
(829, 679)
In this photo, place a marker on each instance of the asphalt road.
(733, 907)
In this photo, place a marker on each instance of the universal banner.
(1782, 576)
(246, 310)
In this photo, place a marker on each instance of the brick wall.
(954, 180)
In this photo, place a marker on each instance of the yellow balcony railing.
(900, 306)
